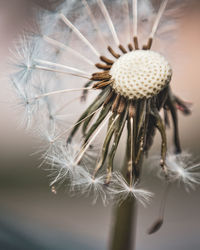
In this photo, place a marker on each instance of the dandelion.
(87, 43)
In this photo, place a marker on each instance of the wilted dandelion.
(131, 83)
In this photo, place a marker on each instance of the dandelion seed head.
(140, 74)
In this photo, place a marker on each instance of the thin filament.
(92, 17)
(78, 33)
(131, 155)
(60, 71)
(66, 104)
(159, 221)
(61, 92)
(127, 11)
(110, 128)
(67, 48)
(57, 65)
(67, 130)
(163, 202)
(135, 18)
(109, 21)
(158, 17)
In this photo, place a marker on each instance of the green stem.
(124, 226)
(123, 232)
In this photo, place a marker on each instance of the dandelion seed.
(120, 190)
(183, 170)
(63, 165)
(30, 108)
(22, 60)
(53, 190)
(87, 185)
(47, 137)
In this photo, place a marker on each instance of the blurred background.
(32, 217)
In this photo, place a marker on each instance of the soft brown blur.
(33, 218)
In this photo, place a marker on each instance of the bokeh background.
(32, 217)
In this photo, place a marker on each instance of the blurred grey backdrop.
(31, 217)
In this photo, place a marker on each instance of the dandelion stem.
(78, 33)
(124, 226)
(124, 220)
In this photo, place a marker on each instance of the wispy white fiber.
(183, 169)
(135, 17)
(120, 190)
(158, 17)
(71, 26)
(109, 21)
(87, 185)
(60, 45)
(63, 163)
(22, 57)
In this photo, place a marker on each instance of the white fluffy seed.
(140, 74)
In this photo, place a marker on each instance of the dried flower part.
(156, 226)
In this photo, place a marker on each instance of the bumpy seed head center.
(140, 74)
